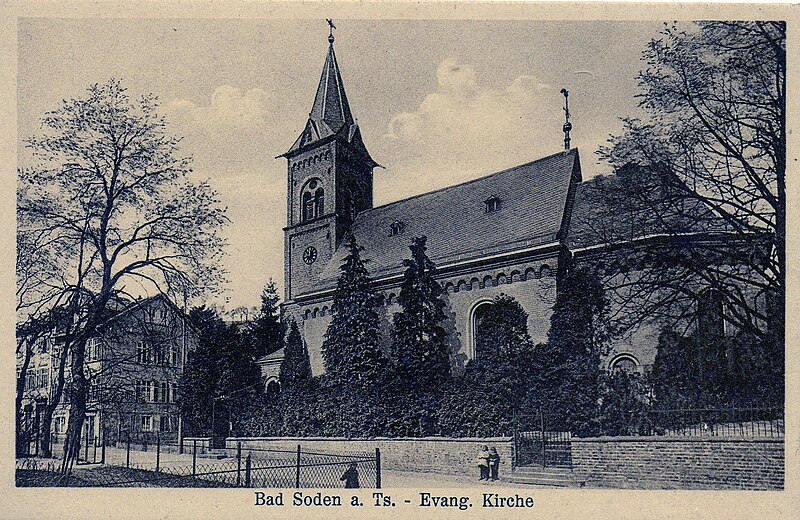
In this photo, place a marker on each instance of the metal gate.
(536, 444)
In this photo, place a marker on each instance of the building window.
(624, 363)
(273, 386)
(710, 314)
(173, 351)
(492, 204)
(396, 228)
(144, 391)
(147, 423)
(312, 200)
(165, 423)
(160, 392)
(60, 424)
(93, 349)
(33, 378)
(478, 315)
(142, 353)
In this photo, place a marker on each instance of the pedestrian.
(350, 476)
(494, 463)
(483, 463)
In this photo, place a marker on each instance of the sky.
(438, 102)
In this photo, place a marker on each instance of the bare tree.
(110, 188)
(715, 145)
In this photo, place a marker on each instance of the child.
(483, 463)
(494, 463)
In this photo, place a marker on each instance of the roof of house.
(633, 204)
(533, 199)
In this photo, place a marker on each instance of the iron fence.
(173, 465)
(714, 422)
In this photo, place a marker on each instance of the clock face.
(310, 255)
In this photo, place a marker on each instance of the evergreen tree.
(351, 350)
(503, 331)
(570, 362)
(419, 348)
(296, 366)
(623, 410)
(266, 332)
(220, 377)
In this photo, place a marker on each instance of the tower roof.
(330, 104)
(330, 115)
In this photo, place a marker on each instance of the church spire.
(330, 114)
(330, 104)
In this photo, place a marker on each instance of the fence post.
(377, 468)
(544, 440)
(194, 457)
(94, 456)
(238, 463)
(247, 468)
(297, 474)
(128, 450)
(158, 451)
(103, 448)
(180, 446)
(86, 445)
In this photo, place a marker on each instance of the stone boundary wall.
(428, 454)
(203, 443)
(679, 462)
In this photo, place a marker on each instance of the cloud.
(463, 130)
(230, 107)
(233, 138)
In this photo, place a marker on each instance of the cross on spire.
(331, 27)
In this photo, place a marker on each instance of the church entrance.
(537, 444)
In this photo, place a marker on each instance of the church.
(508, 232)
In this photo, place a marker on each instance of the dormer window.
(396, 227)
(492, 204)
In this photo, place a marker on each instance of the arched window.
(478, 315)
(710, 313)
(273, 386)
(312, 200)
(624, 363)
(319, 202)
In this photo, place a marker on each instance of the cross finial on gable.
(567, 125)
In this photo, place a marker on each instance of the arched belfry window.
(312, 200)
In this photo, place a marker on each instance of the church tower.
(329, 182)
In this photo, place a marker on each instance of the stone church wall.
(533, 286)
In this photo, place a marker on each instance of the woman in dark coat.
(350, 476)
